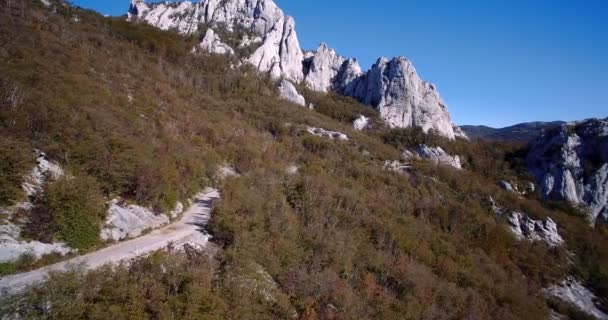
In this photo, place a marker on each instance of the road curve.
(189, 229)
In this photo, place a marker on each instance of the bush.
(77, 209)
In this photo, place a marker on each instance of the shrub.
(76, 207)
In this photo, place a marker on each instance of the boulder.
(288, 92)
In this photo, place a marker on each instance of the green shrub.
(77, 209)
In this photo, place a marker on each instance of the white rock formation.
(361, 123)
(279, 55)
(212, 43)
(129, 221)
(322, 68)
(572, 291)
(11, 249)
(392, 87)
(289, 92)
(570, 163)
(526, 228)
(327, 134)
(436, 155)
(35, 180)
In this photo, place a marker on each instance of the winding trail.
(189, 229)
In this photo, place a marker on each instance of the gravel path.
(189, 229)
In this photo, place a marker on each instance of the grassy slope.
(342, 232)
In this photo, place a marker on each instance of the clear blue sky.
(495, 62)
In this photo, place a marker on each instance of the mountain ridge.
(521, 132)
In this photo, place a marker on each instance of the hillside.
(317, 220)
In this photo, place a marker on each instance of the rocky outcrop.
(525, 228)
(392, 87)
(11, 248)
(570, 163)
(129, 221)
(279, 54)
(44, 169)
(213, 44)
(361, 123)
(321, 68)
(572, 291)
(288, 92)
(436, 155)
(320, 132)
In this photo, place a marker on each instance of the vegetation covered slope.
(128, 108)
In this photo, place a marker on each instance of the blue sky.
(495, 62)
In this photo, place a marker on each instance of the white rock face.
(279, 55)
(289, 92)
(570, 290)
(526, 228)
(44, 168)
(436, 155)
(361, 123)
(324, 66)
(392, 87)
(213, 44)
(12, 249)
(129, 221)
(327, 134)
(570, 163)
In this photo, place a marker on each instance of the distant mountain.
(523, 132)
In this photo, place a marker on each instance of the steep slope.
(570, 163)
(391, 87)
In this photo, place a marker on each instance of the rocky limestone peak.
(394, 88)
(570, 163)
(279, 54)
(322, 68)
(391, 86)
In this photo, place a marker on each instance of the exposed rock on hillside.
(361, 123)
(11, 249)
(435, 155)
(320, 132)
(279, 54)
(572, 291)
(44, 169)
(570, 163)
(393, 87)
(289, 92)
(129, 221)
(11, 246)
(212, 43)
(321, 68)
(526, 228)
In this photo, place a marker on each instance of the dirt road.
(189, 229)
